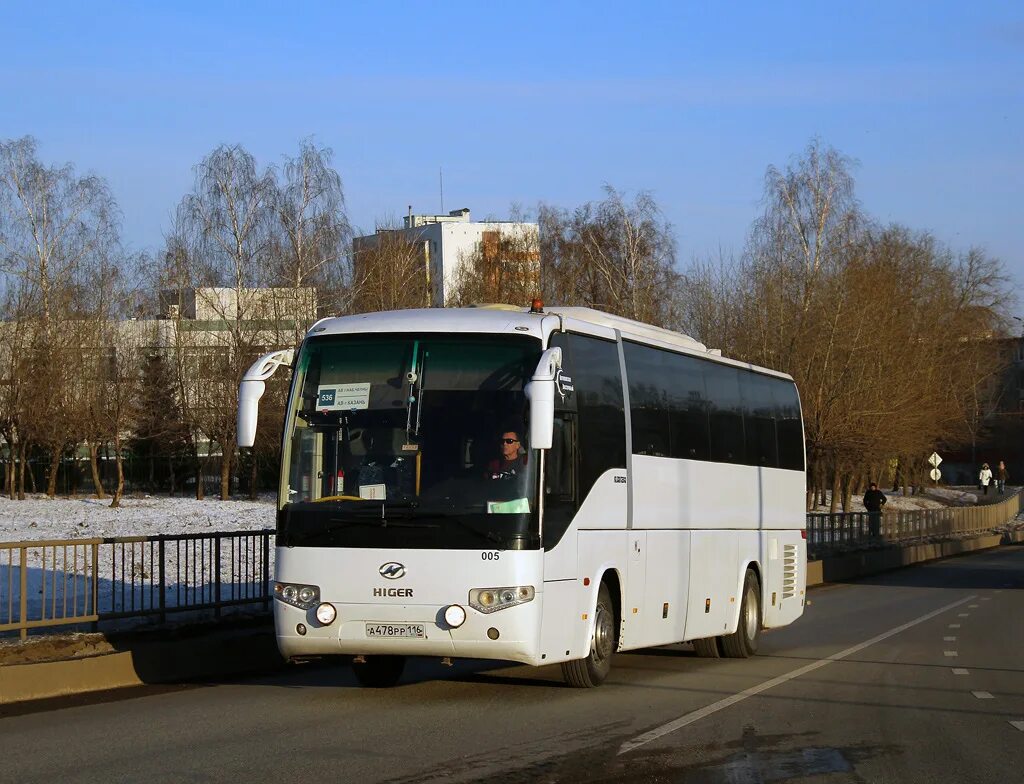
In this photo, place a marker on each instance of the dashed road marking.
(974, 606)
(983, 695)
(950, 653)
(963, 615)
(954, 626)
(695, 716)
(949, 639)
(986, 598)
(961, 671)
(1018, 724)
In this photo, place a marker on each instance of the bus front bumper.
(510, 634)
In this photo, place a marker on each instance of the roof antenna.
(440, 177)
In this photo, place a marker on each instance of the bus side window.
(560, 480)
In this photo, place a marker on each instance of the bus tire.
(743, 642)
(379, 672)
(707, 647)
(591, 671)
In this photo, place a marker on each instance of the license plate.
(396, 630)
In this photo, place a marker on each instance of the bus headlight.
(326, 613)
(454, 616)
(488, 600)
(303, 596)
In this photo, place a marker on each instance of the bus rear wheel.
(591, 671)
(743, 642)
(379, 672)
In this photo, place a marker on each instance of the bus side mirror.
(251, 389)
(540, 391)
(249, 393)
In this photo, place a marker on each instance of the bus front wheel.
(379, 672)
(591, 671)
(743, 642)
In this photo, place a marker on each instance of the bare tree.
(57, 229)
(390, 271)
(615, 255)
(313, 229)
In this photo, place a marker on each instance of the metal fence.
(89, 581)
(830, 533)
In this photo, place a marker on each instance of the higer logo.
(392, 570)
(393, 592)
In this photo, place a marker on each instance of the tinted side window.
(594, 368)
(689, 412)
(726, 413)
(759, 419)
(790, 429)
(647, 370)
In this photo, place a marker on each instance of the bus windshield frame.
(412, 441)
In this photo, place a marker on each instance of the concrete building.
(446, 241)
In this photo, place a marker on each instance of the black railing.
(75, 581)
(831, 533)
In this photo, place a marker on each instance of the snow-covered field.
(128, 574)
(39, 517)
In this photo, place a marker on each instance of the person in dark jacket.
(874, 500)
(1001, 476)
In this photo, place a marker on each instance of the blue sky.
(540, 102)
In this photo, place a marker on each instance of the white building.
(447, 240)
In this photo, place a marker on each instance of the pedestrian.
(984, 478)
(874, 500)
(1001, 476)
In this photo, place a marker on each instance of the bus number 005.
(489, 555)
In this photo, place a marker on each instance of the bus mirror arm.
(541, 393)
(251, 389)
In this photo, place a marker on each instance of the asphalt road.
(914, 676)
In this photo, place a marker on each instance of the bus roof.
(509, 319)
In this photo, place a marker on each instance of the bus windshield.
(410, 441)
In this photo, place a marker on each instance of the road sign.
(934, 460)
(935, 474)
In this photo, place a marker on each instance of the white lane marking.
(950, 653)
(974, 606)
(949, 639)
(963, 615)
(986, 598)
(1018, 724)
(983, 695)
(954, 626)
(961, 671)
(708, 710)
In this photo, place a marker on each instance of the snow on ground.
(894, 502)
(39, 517)
(952, 496)
(127, 575)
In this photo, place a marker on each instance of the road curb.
(129, 662)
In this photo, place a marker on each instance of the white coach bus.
(530, 486)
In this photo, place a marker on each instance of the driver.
(513, 456)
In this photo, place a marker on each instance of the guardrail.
(78, 581)
(830, 533)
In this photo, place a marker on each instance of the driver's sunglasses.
(510, 440)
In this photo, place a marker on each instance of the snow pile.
(39, 517)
